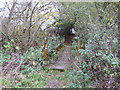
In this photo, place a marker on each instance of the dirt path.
(63, 63)
(58, 79)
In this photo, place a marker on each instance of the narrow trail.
(63, 61)
(59, 79)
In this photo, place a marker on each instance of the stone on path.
(53, 84)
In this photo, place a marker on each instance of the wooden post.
(79, 46)
(44, 50)
(45, 45)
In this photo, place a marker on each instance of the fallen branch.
(77, 66)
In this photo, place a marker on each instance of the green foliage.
(98, 59)
(34, 54)
(31, 80)
(9, 46)
(95, 24)
(37, 78)
(4, 57)
(95, 64)
(80, 79)
(33, 57)
(64, 26)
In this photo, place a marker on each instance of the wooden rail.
(79, 46)
(47, 52)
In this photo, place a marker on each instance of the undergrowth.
(98, 65)
(21, 70)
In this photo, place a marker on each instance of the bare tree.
(25, 21)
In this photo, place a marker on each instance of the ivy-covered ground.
(56, 76)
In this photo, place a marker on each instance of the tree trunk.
(118, 30)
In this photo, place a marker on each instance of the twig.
(31, 19)
(5, 70)
(77, 66)
(18, 68)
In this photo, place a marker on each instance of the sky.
(3, 10)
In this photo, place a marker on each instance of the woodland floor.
(56, 76)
